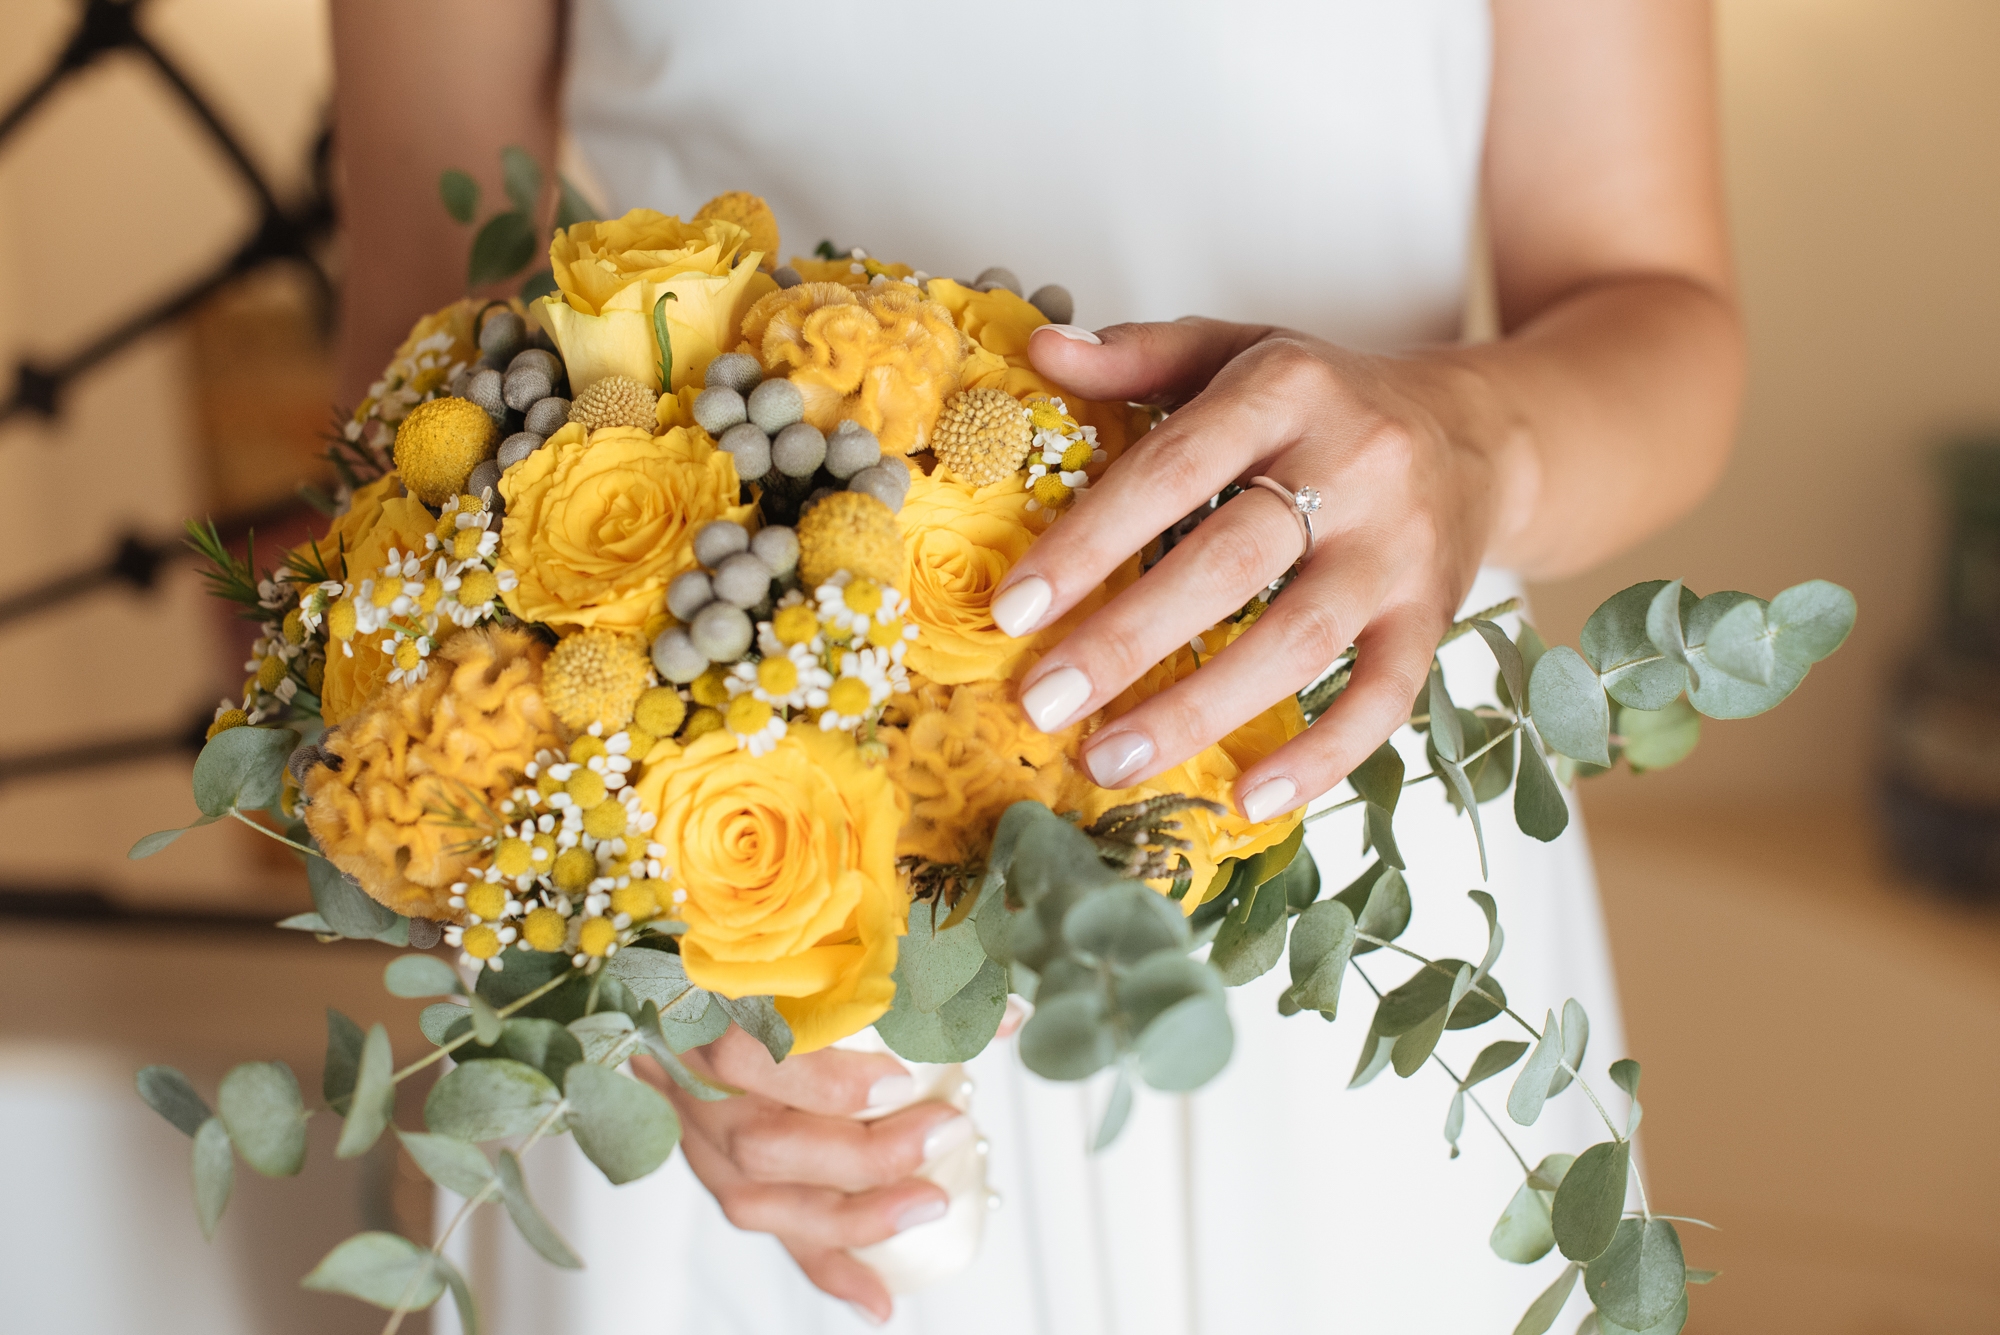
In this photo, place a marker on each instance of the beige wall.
(1863, 160)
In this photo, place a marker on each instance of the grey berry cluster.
(717, 603)
(761, 423)
(520, 382)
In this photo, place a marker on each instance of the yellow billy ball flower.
(465, 543)
(637, 901)
(779, 676)
(747, 714)
(848, 696)
(575, 868)
(796, 624)
(585, 788)
(851, 531)
(270, 672)
(408, 655)
(340, 620)
(701, 722)
(482, 942)
(642, 740)
(597, 937)
(595, 676)
(711, 687)
(439, 444)
(586, 748)
(513, 857)
(485, 900)
(606, 820)
(476, 588)
(227, 719)
(545, 930)
(660, 711)
(862, 597)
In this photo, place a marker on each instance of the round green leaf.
(1186, 1044)
(1591, 1199)
(1567, 703)
(1811, 620)
(453, 1164)
(1125, 923)
(420, 976)
(600, 1033)
(1068, 1037)
(214, 1174)
(460, 194)
(1522, 1234)
(441, 1021)
(242, 767)
(542, 1044)
(385, 1269)
(1655, 739)
(534, 1226)
(1720, 695)
(485, 1100)
(260, 1104)
(1670, 1324)
(1540, 808)
(931, 966)
(1160, 981)
(1427, 990)
(340, 899)
(502, 248)
(1322, 945)
(1637, 1279)
(624, 1127)
(1542, 1312)
(1616, 643)
(957, 1031)
(168, 1093)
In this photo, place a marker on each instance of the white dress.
(1310, 164)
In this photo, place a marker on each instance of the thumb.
(1161, 363)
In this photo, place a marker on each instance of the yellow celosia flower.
(459, 739)
(612, 274)
(789, 863)
(597, 526)
(356, 669)
(961, 541)
(962, 755)
(883, 356)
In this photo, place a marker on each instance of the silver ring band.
(1302, 503)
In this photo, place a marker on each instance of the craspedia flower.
(616, 400)
(660, 711)
(439, 444)
(595, 676)
(702, 722)
(982, 436)
(850, 531)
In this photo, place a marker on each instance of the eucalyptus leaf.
(1250, 946)
(1522, 1233)
(533, 1226)
(501, 249)
(260, 1104)
(1116, 1110)
(1375, 1054)
(1379, 833)
(528, 971)
(420, 976)
(170, 1094)
(485, 1100)
(523, 178)
(571, 207)
(711, 1024)
(1549, 1173)
(1454, 1120)
(1637, 1280)
(1625, 1074)
(341, 901)
(1720, 695)
(1323, 942)
(663, 1051)
(1810, 620)
(460, 194)
(1495, 936)
(1670, 1324)
(931, 966)
(1300, 882)
(543, 1044)
(373, 1103)
(1068, 1037)
(1428, 990)
(440, 1021)
(1513, 670)
(1378, 780)
(1576, 1039)
(455, 1165)
(1492, 1060)
(487, 1026)
(1542, 1312)
(461, 1295)
(1532, 1086)
(385, 1269)
(1455, 778)
(601, 1033)
(1414, 1045)
(1381, 909)
(759, 1018)
(660, 977)
(1447, 735)
(1540, 809)
(159, 839)
(1124, 924)
(958, 1030)
(1665, 629)
(1567, 704)
(242, 768)
(623, 1126)
(1185, 1046)
(1702, 1276)
(1591, 1200)
(214, 1174)
(307, 922)
(1616, 644)
(1656, 739)
(1742, 645)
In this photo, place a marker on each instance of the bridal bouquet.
(643, 681)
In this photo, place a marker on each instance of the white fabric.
(1305, 164)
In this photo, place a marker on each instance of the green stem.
(1411, 783)
(269, 833)
(466, 1037)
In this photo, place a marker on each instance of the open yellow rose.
(789, 863)
(998, 325)
(961, 541)
(597, 525)
(356, 669)
(610, 275)
(456, 742)
(334, 552)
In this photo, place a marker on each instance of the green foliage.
(533, 1226)
(1537, 1079)
(168, 1093)
(1492, 1060)
(384, 1269)
(931, 966)
(1379, 899)
(759, 1018)
(662, 1050)
(1523, 1234)
(543, 1044)
(688, 1015)
(260, 1104)
(454, 1165)
(341, 901)
(460, 194)
(344, 1040)
(159, 839)
(1542, 1312)
(420, 976)
(624, 1127)
(510, 241)
(1591, 1200)
(486, 1100)
(602, 1033)
(503, 247)
(1378, 781)
(214, 1174)
(956, 1031)
(1567, 704)
(242, 768)
(374, 1100)
(522, 176)
(1323, 942)
(1638, 1279)
(444, 1020)
(1540, 808)
(1656, 739)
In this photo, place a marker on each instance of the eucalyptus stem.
(1428, 774)
(466, 1037)
(269, 833)
(1333, 682)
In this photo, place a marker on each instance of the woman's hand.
(788, 1157)
(1410, 458)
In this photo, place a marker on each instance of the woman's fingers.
(1393, 661)
(770, 1143)
(1166, 364)
(830, 1081)
(838, 1275)
(1319, 614)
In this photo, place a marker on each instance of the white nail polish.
(865, 1314)
(1054, 700)
(923, 1212)
(1269, 798)
(947, 1136)
(1020, 607)
(890, 1093)
(1074, 333)
(1118, 757)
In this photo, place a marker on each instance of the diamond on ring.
(1307, 500)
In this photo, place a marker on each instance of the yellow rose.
(962, 755)
(357, 670)
(1211, 773)
(596, 526)
(457, 741)
(334, 552)
(610, 275)
(789, 862)
(998, 323)
(962, 540)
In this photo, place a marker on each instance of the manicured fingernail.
(1075, 333)
(1021, 607)
(866, 1315)
(1054, 700)
(1268, 798)
(927, 1211)
(890, 1092)
(947, 1136)
(1118, 757)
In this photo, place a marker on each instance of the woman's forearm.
(421, 87)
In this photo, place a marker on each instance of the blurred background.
(1803, 913)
